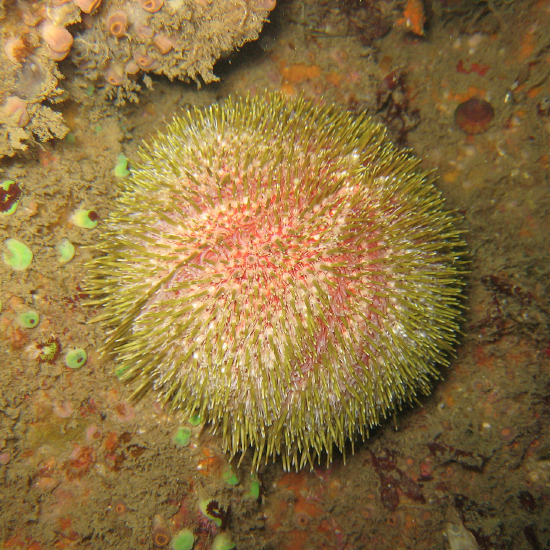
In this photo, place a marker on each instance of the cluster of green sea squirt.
(279, 268)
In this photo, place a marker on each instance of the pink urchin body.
(282, 270)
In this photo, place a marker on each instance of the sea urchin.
(281, 269)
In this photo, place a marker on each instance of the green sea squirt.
(18, 256)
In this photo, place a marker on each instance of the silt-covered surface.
(468, 467)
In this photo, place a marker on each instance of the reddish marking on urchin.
(474, 116)
(263, 251)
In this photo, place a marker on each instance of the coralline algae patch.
(118, 43)
(72, 448)
(383, 497)
(70, 436)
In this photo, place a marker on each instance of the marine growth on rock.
(116, 45)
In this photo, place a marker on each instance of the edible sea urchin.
(282, 270)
